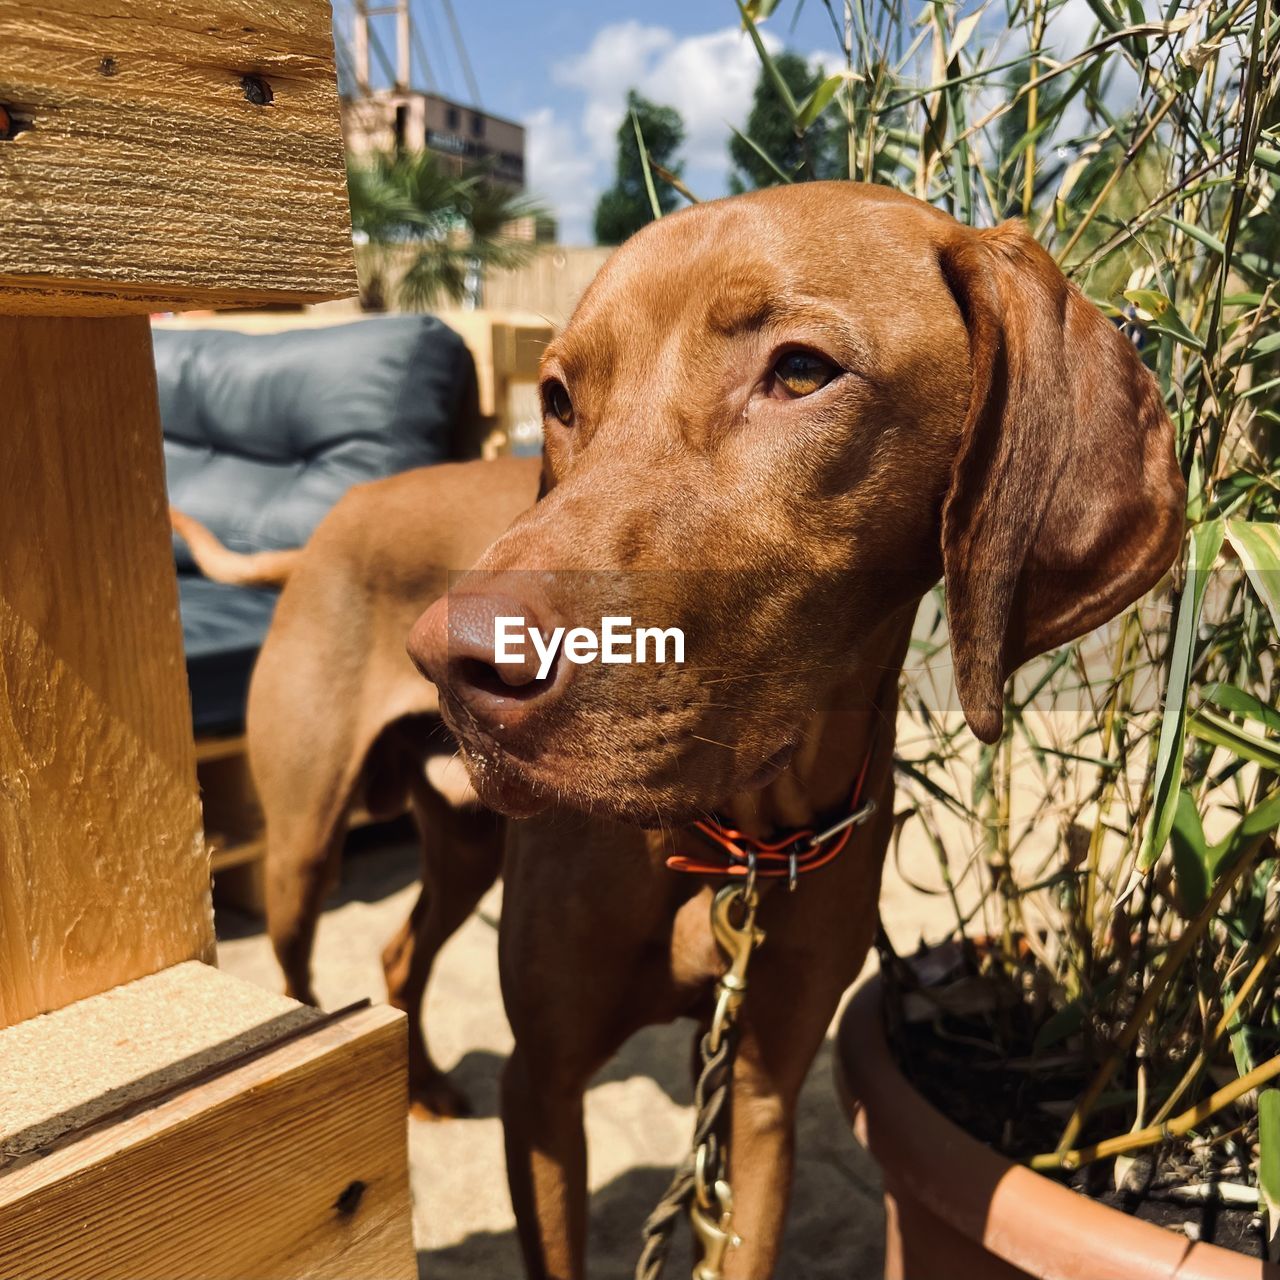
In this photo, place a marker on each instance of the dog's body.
(338, 716)
(773, 421)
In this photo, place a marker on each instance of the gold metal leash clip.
(711, 1216)
(737, 941)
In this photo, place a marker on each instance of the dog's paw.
(437, 1099)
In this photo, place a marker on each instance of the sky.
(563, 67)
(563, 70)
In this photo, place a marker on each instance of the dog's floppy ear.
(1066, 502)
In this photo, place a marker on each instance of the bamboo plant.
(1116, 851)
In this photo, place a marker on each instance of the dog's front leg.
(546, 1166)
(583, 959)
(761, 1159)
(788, 1009)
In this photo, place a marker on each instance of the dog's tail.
(237, 568)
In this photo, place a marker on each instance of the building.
(397, 119)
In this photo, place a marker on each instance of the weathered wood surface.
(169, 154)
(75, 1067)
(293, 1164)
(103, 873)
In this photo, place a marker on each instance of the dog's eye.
(801, 373)
(557, 401)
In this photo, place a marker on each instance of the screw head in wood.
(257, 90)
(349, 1201)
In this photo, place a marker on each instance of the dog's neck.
(857, 721)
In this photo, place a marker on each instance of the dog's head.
(773, 422)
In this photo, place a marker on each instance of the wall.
(550, 285)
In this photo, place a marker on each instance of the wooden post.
(164, 156)
(103, 876)
(150, 156)
(153, 154)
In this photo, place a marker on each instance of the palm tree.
(450, 228)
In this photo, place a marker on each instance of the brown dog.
(773, 422)
(337, 715)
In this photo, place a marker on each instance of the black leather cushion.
(265, 432)
(222, 628)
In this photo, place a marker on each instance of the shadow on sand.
(835, 1230)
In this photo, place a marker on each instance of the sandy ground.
(639, 1112)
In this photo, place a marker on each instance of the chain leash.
(701, 1184)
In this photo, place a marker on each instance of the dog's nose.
(478, 648)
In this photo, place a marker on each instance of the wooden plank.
(549, 285)
(103, 875)
(210, 749)
(67, 1070)
(170, 154)
(226, 857)
(293, 1164)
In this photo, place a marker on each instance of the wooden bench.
(152, 157)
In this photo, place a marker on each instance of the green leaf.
(1193, 863)
(818, 101)
(1163, 317)
(939, 793)
(1209, 241)
(1105, 16)
(1269, 1157)
(1206, 542)
(783, 176)
(1239, 703)
(1260, 389)
(781, 87)
(1267, 158)
(1257, 543)
(648, 172)
(1070, 1018)
(1264, 346)
(1259, 821)
(1218, 730)
(1254, 827)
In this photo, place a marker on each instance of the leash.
(701, 1185)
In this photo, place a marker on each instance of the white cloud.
(709, 79)
(619, 58)
(559, 171)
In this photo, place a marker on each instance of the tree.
(769, 126)
(437, 230)
(625, 207)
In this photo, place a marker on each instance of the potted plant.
(1084, 1081)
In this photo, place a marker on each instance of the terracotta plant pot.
(957, 1210)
